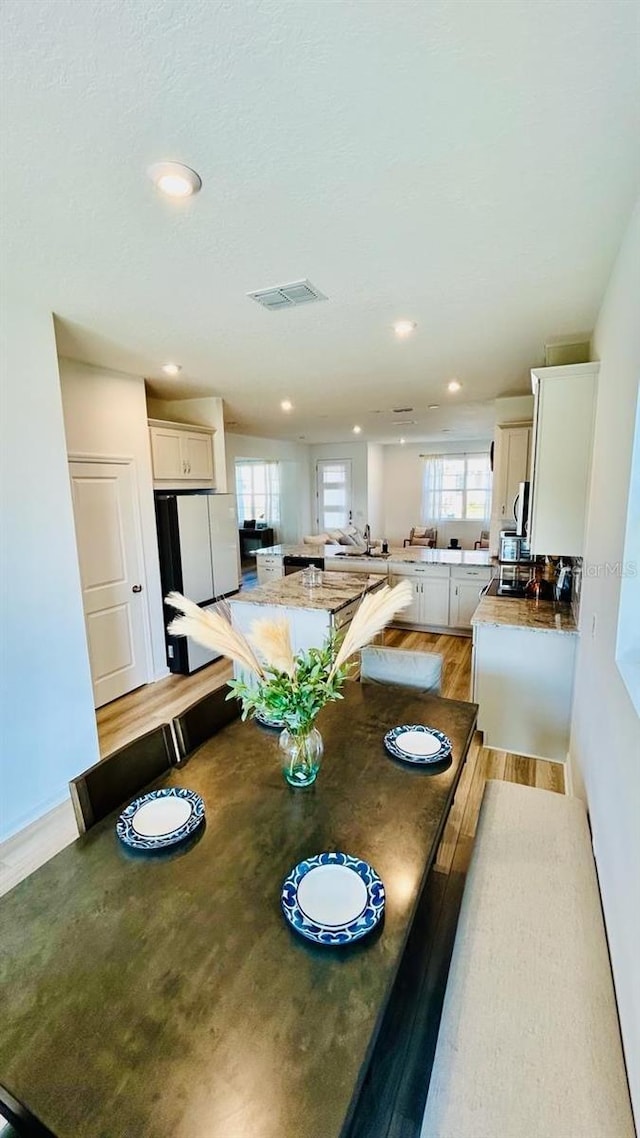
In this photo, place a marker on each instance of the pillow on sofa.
(318, 539)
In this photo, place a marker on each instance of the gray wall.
(47, 721)
(605, 739)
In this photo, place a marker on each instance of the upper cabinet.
(564, 410)
(181, 455)
(511, 462)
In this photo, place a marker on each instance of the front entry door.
(110, 557)
(333, 494)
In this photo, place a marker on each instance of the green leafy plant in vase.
(282, 688)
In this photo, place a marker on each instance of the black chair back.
(120, 776)
(204, 719)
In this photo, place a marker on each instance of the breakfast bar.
(170, 991)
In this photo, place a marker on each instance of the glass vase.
(301, 755)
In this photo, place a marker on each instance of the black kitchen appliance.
(293, 564)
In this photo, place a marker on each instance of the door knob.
(136, 588)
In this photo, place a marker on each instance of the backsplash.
(576, 589)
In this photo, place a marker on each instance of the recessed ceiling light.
(454, 385)
(357, 429)
(174, 179)
(402, 442)
(403, 328)
(287, 405)
(171, 369)
(433, 406)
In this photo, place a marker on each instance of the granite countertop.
(419, 554)
(336, 591)
(520, 612)
(410, 554)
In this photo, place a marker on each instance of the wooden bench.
(529, 1043)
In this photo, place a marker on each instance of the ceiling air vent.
(287, 296)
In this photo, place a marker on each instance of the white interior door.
(110, 557)
(333, 494)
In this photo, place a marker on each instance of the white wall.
(205, 412)
(605, 736)
(375, 489)
(403, 491)
(294, 479)
(47, 721)
(514, 408)
(105, 414)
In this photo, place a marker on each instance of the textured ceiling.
(470, 165)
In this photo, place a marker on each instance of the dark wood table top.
(168, 998)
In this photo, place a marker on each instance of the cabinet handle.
(136, 588)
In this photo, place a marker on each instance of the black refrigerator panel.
(185, 567)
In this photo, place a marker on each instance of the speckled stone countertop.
(336, 591)
(410, 554)
(518, 612)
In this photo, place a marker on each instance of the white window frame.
(270, 514)
(345, 463)
(436, 515)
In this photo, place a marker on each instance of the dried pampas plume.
(374, 611)
(212, 630)
(272, 641)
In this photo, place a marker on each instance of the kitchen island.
(522, 674)
(312, 611)
(445, 582)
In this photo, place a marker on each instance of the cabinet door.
(465, 598)
(565, 405)
(197, 455)
(435, 601)
(511, 467)
(413, 613)
(166, 453)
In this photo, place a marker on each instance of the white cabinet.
(181, 455)
(270, 567)
(430, 584)
(348, 564)
(523, 683)
(564, 412)
(511, 462)
(464, 594)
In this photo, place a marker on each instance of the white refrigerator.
(199, 557)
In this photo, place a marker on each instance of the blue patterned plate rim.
(267, 721)
(352, 930)
(128, 834)
(442, 753)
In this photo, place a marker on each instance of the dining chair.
(401, 666)
(203, 719)
(121, 775)
(422, 535)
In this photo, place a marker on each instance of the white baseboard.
(568, 776)
(23, 853)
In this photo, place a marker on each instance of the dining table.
(165, 996)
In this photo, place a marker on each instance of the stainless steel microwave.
(513, 548)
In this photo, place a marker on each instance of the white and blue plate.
(333, 898)
(268, 721)
(161, 819)
(415, 743)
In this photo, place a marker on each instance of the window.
(258, 490)
(456, 487)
